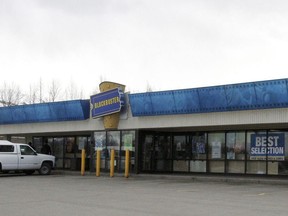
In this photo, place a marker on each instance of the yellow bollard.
(83, 162)
(112, 162)
(127, 160)
(98, 162)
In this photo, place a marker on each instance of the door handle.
(22, 157)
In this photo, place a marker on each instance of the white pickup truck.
(21, 157)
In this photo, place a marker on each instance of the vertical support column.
(98, 162)
(127, 163)
(83, 162)
(112, 162)
(8, 137)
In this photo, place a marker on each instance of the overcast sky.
(167, 44)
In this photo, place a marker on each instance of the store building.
(228, 129)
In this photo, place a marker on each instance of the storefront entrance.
(261, 152)
(157, 153)
(173, 152)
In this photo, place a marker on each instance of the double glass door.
(173, 152)
(157, 153)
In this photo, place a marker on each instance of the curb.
(283, 180)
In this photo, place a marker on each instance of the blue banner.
(243, 96)
(107, 102)
(73, 110)
(270, 146)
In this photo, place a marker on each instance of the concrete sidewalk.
(237, 179)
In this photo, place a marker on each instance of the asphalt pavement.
(70, 194)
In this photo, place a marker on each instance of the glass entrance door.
(148, 153)
(157, 153)
(163, 153)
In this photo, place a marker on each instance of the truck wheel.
(45, 169)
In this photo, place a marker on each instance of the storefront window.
(50, 142)
(235, 146)
(181, 154)
(58, 147)
(57, 150)
(283, 165)
(216, 154)
(113, 142)
(128, 143)
(277, 152)
(37, 143)
(256, 152)
(199, 146)
(70, 148)
(216, 143)
(199, 153)
(82, 143)
(235, 152)
(100, 144)
(180, 148)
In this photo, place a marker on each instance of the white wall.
(256, 119)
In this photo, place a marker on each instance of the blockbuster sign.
(107, 102)
(271, 146)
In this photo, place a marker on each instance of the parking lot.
(89, 195)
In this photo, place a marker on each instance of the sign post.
(127, 160)
(83, 162)
(112, 163)
(98, 162)
(128, 145)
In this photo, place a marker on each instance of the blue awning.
(243, 96)
(46, 112)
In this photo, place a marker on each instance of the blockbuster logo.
(107, 102)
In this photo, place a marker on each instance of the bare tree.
(54, 91)
(102, 78)
(72, 92)
(32, 95)
(41, 91)
(10, 95)
(96, 89)
(148, 88)
(35, 94)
